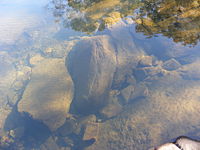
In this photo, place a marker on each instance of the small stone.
(49, 144)
(140, 74)
(171, 65)
(49, 50)
(19, 132)
(111, 110)
(146, 61)
(127, 92)
(89, 118)
(36, 59)
(67, 128)
(91, 131)
(139, 91)
(18, 85)
(65, 142)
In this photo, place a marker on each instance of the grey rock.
(65, 142)
(127, 92)
(91, 64)
(89, 118)
(140, 74)
(146, 61)
(49, 144)
(190, 71)
(171, 65)
(67, 128)
(111, 110)
(128, 54)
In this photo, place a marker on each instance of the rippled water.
(98, 74)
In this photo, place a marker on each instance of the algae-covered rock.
(91, 64)
(49, 93)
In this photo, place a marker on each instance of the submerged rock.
(146, 61)
(172, 104)
(7, 77)
(36, 59)
(91, 64)
(111, 110)
(91, 131)
(127, 92)
(49, 93)
(98, 62)
(190, 71)
(49, 144)
(171, 64)
(68, 127)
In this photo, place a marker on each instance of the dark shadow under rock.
(28, 132)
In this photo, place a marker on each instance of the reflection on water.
(167, 17)
(11, 13)
(100, 83)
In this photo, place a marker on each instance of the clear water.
(98, 74)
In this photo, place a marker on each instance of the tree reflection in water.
(176, 19)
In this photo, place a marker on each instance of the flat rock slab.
(49, 93)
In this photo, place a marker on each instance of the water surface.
(98, 74)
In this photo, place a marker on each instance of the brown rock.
(49, 93)
(91, 131)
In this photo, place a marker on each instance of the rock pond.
(99, 75)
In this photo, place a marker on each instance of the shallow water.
(93, 75)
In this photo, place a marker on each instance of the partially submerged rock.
(49, 93)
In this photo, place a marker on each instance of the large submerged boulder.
(49, 93)
(97, 63)
(91, 64)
